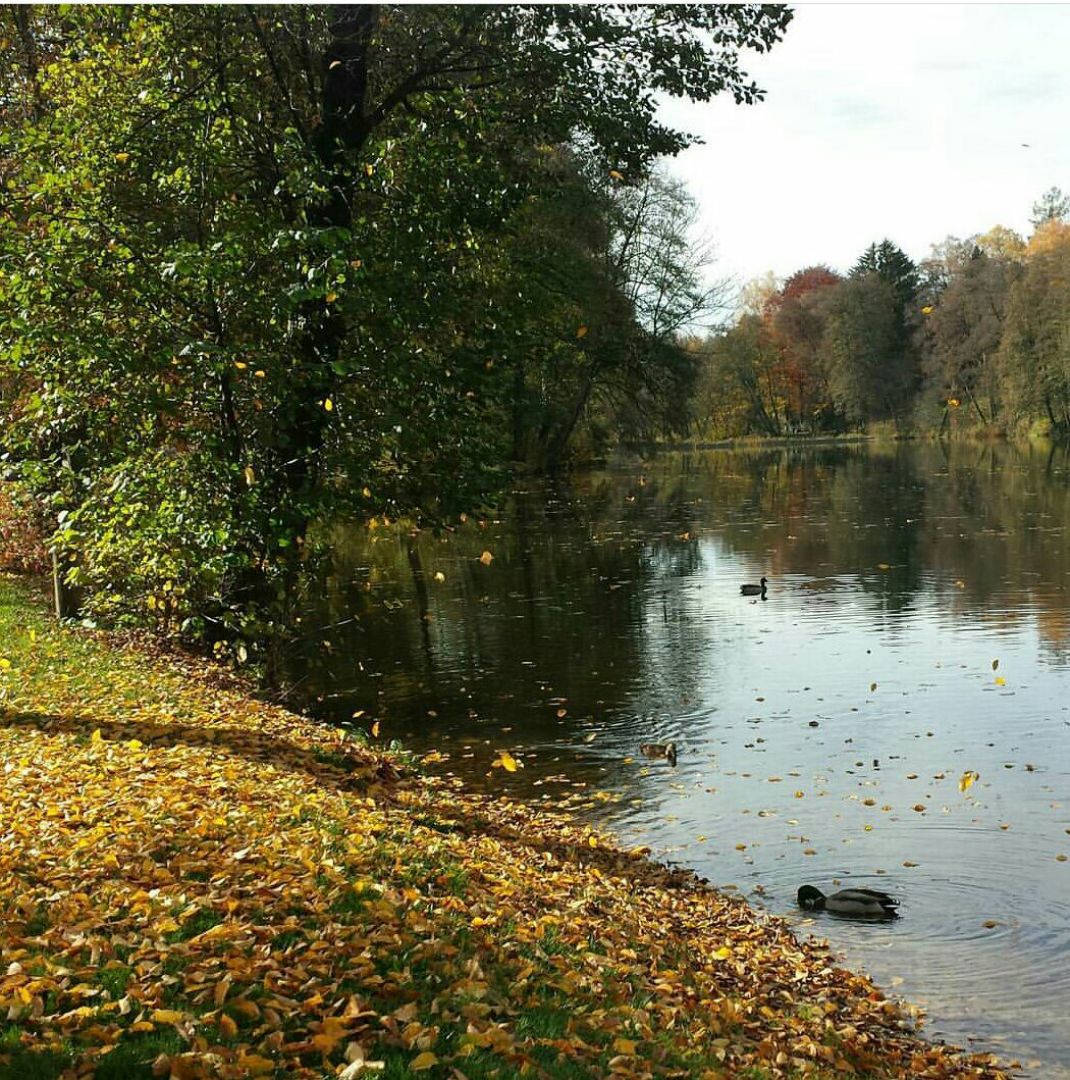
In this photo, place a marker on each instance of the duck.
(753, 590)
(659, 750)
(849, 902)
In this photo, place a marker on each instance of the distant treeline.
(976, 336)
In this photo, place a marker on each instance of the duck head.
(811, 899)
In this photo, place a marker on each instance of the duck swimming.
(659, 750)
(753, 590)
(849, 902)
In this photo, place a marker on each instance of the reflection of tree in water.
(556, 621)
(589, 602)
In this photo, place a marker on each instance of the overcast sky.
(883, 120)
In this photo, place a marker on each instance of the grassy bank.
(193, 884)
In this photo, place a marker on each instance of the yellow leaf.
(927, 310)
(581, 331)
(375, 730)
(135, 744)
(592, 841)
(241, 365)
(250, 475)
(616, 175)
(366, 492)
(723, 953)
(167, 1016)
(486, 558)
(439, 576)
(122, 157)
(328, 405)
(1000, 681)
(227, 1028)
(423, 1061)
(5, 663)
(331, 297)
(967, 779)
(260, 373)
(255, 1065)
(96, 737)
(624, 1046)
(506, 761)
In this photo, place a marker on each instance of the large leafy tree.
(964, 331)
(248, 254)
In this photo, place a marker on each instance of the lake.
(916, 632)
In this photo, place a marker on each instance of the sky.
(898, 121)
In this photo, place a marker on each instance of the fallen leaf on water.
(872, 687)
(995, 665)
(486, 558)
(988, 924)
(967, 780)
(506, 761)
(1000, 681)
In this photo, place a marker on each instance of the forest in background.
(976, 337)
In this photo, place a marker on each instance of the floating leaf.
(506, 761)
(967, 780)
(486, 558)
(1000, 681)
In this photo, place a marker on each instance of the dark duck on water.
(867, 902)
(753, 590)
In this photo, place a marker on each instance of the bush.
(153, 542)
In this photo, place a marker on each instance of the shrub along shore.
(197, 884)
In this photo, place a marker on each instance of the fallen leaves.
(968, 779)
(270, 899)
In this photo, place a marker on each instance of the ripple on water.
(984, 957)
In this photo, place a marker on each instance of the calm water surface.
(822, 732)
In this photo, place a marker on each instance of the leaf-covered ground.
(194, 884)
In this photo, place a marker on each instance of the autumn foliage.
(194, 884)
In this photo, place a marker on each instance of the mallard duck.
(659, 750)
(753, 590)
(849, 902)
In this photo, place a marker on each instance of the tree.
(890, 264)
(1034, 358)
(964, 332)
(251, 250)
(1053, 205)
(797, 323)
(871, 374)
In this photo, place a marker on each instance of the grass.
(213, 877)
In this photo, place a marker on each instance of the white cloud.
(881, 120)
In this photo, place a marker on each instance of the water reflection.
(821, 733)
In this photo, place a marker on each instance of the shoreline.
(194, 883)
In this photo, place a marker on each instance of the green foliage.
(266, 266)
